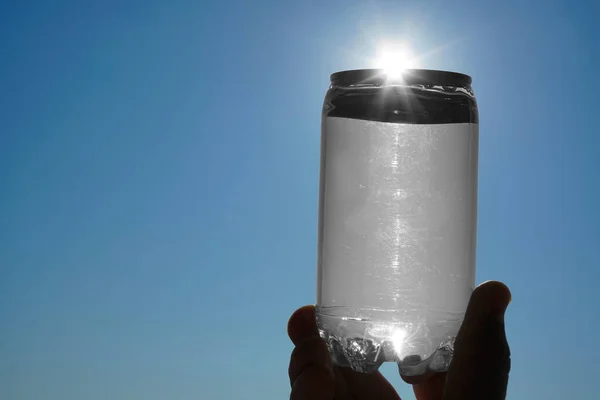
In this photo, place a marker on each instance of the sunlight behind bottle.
(398, 338)
(394, 59)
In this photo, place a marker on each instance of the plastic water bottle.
(397, 217)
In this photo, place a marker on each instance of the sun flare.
(394, 59)
(398, 339)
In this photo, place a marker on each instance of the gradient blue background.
(159, 166)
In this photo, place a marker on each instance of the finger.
(481, 362)
(316, 382)
(432, 389)
(342, 392)
(303, 325)
(418, 379)
(311, 352)
(369, 386)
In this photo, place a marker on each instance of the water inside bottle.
(396, 242)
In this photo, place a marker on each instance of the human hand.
(479, 369)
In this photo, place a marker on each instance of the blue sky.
(159, 168)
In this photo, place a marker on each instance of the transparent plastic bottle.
(397, 217)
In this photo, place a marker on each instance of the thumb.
(481, 362)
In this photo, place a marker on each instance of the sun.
(398, 340)
(394, 59)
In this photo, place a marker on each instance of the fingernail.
(498, 295)
(504, 297)
(491, 299)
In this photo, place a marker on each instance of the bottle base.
(363, 354)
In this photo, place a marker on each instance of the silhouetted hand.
(479, 369)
